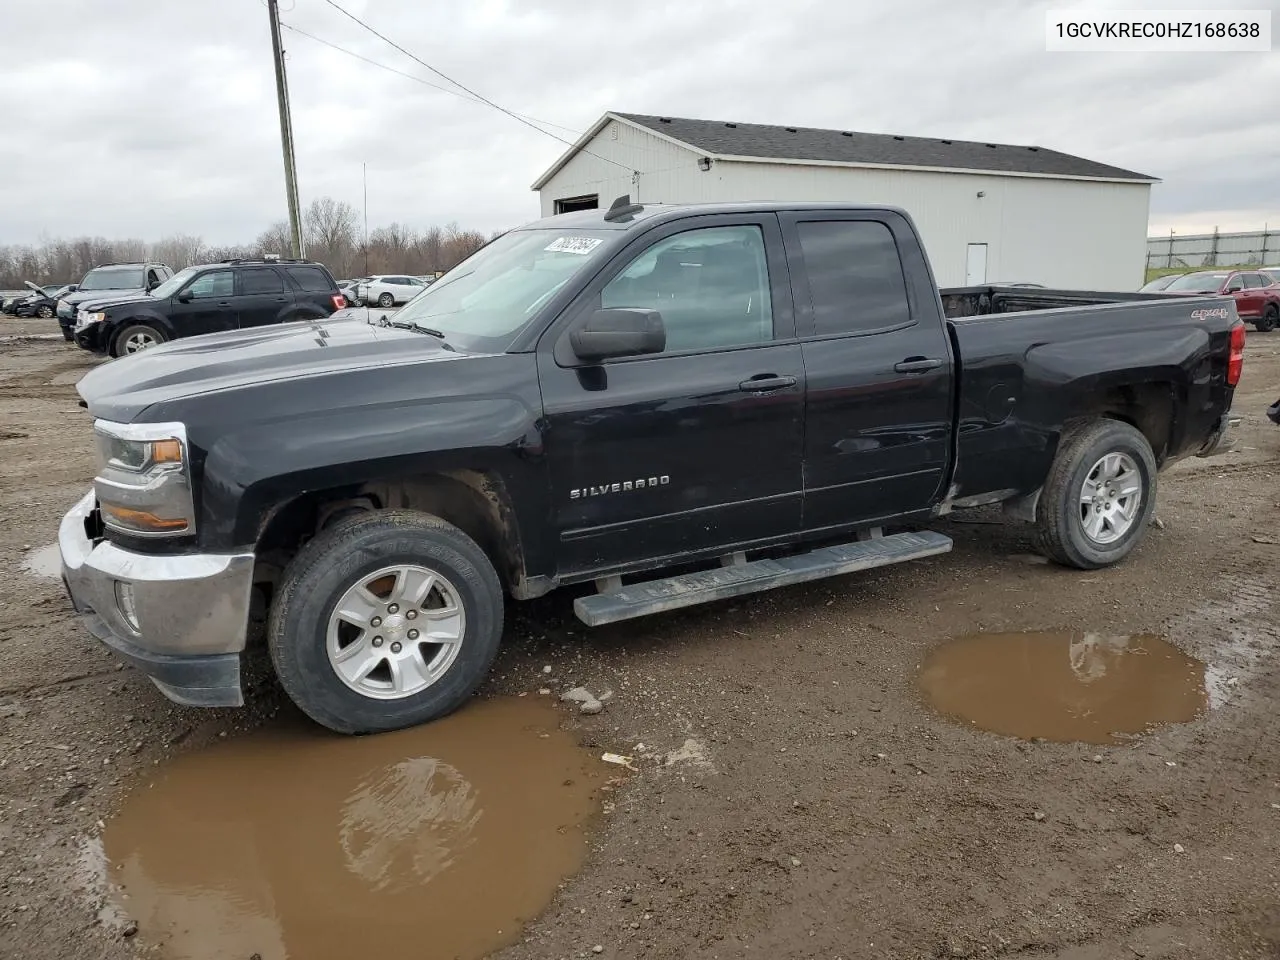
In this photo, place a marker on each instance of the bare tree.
(178, 251)
(276, 239)
(332, 238)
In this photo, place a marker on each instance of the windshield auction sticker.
(578, 245)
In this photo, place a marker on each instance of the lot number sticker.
(579, 245)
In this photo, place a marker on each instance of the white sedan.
(390, 289)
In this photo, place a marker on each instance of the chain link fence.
(1261, 248)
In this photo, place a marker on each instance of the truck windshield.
(113, 278)
(498, 289)
(1198, 283)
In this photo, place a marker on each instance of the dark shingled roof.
(719, 138)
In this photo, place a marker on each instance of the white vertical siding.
(1061, 233)
(667, 173)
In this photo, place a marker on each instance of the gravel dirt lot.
(795, 797)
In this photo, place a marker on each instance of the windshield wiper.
(383, 321)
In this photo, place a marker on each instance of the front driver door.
(694, 450)
(205, 305)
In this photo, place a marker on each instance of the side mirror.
(184, 296)
(74, 288)
(622, 332)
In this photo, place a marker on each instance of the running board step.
(672, 593)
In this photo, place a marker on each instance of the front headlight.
(144, 478)
(84, 319)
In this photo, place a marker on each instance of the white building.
(988, 212)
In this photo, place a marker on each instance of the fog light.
(126, 605)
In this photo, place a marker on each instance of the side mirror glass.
(622, 332)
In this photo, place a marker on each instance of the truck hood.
(122, 389)
(81, 297)
(112, 298)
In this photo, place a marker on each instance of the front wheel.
(1269, 320)
(385, 620)
(386, 300)
(44, 311)
(1099, 496)
(137, 337)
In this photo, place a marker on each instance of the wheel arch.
(475, 501)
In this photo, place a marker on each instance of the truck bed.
(981, 300)
(1069, 350)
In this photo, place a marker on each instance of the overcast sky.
(136, 119)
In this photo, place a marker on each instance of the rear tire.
(348, 629)
(135, 338)
(44, 312)
(1099, 495)
(1269, 320)
(386, 300)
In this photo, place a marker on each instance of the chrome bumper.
(180, 618)
(1223, 437)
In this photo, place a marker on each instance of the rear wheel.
(137, 337)
(1269, 320)
(44, 311)
(385, 620)
(1099, 496)
(386, 300)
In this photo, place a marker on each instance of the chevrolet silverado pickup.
(670, 404)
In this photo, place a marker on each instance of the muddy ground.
(821, 809)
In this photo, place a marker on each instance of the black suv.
(231, 295)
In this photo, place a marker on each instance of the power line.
(481, 98)
(408, 76)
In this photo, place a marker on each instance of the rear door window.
(1254, 280)
(855, 275)
(259, 281)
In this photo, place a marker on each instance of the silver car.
(390, 289)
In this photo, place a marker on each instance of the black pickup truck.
(755, 395)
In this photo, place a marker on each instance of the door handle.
(918, 365)
(765, 382)
(224, 303)
(282, 299)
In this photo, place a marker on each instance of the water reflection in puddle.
(1088, 687)
(43, 562)
(291, 843)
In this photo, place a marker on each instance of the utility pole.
(364, 169)
(286, 131)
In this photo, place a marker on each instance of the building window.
(570, 204)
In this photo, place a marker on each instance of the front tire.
(135, 338)
(44, 312)
(1099, 495)
(1269, 320)
(385, 620)
(386, 300)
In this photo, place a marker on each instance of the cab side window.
(217, 283)
(711, 287)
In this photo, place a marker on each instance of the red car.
(1256, 294)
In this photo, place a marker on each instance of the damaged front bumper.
(179, 618)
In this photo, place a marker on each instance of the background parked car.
(390, 289)
(351, 290)
(1272, 272)
(121, 280)
(1158, 284)
(1257, 296)
(40, 301)
(215, 297)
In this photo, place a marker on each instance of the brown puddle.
(440, 841)
(1086, 687)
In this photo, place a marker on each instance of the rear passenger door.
(261, 296)
(878, 366)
